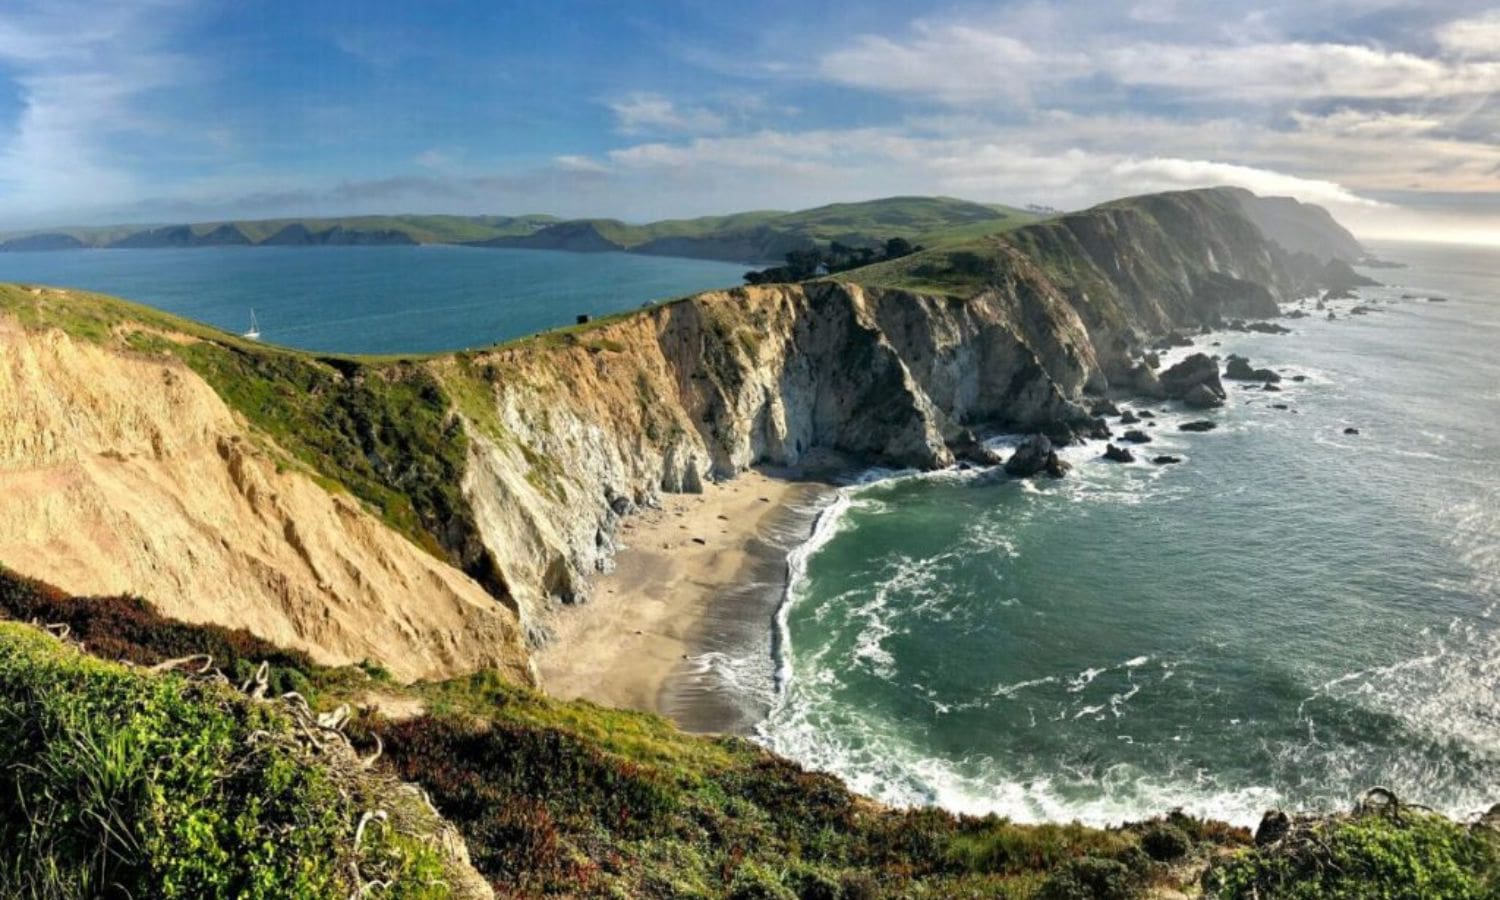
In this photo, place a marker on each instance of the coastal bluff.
(430, 514)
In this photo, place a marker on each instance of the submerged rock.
(1129, 418)
(1118, 454)
(1267, 328)
(1198, 425)
(1351, 431)
(1165, 460)
(1136, 436)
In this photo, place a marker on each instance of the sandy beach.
(678, 568)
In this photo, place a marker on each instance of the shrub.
(115, 782)
(1392, 856)
(1165, 843)
(1089, 878)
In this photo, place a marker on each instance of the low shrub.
(119, 783)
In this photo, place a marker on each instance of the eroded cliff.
(429, 513)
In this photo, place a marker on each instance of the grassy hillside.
(120, 782)
(763, 234)
(571, 799)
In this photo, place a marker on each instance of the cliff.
(429, 512)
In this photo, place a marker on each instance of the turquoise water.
(376, 299)
(1288, 617)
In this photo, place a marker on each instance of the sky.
(198, 110)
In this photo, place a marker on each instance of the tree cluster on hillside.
(837, 257)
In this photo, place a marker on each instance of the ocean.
(1291, 615)
(376, 299)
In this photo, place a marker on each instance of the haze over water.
(1288, 617)
(376, 299)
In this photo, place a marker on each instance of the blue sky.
(166, 110)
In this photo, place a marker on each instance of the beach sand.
(704, 571)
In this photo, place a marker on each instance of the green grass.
(115, 782)
(1408, 855)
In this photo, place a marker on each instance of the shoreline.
(686, 617)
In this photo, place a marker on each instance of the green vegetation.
(117, 782)
(757, 235)
(1387, 852)
(431, 229)
(570, 799)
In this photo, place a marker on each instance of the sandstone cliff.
(190, 466)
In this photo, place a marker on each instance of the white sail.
(254, 332)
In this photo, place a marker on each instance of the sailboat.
(254, 332)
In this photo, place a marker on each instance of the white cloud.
(955, 63)
(641, 112)
(78, 69)
(1475, 37)
(1355, 123)
(996, 65)
(1290, 71)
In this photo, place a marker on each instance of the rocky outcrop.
(1033, 457)
(1198, 370)
(1238, 368)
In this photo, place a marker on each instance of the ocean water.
(376, 299)
(1286, 618)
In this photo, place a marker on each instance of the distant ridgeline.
(862, 230)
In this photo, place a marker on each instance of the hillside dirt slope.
(128, 474)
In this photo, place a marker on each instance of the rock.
(1279, 406)
(1202, 397)
(1057, 468)
(1145, 413)
(1299, 378)
(1104, 408)
(1118, 454)
(1361, 310)
(1437, 299)
(1170, 340)
(1199, 425)
(1339, 294)
(1136, 436)
(1238, 369)
(1198, 369)
(1321, 306)
(1098, 430)
(1267, 328)
(1351, 431)
(1165, 460)
(1331, 316)
(967, 447)
(1268, 386)
(1129, 418)
(1296, 314)
(1035, 455)
(1274, 826)
(1152, 361)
